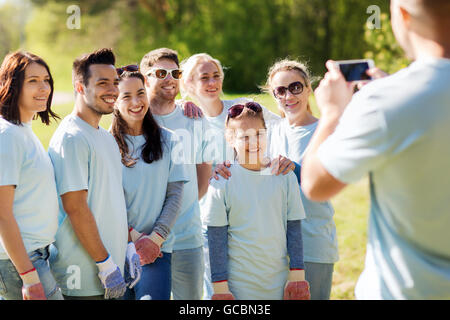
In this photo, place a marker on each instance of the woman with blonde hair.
(289, 82)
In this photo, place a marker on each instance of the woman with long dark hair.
(153, 185)
(28, 198)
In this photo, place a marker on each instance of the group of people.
(131, 212)
(205, 198)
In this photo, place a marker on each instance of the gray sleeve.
(218, 252)
(170, 210)
(295, 244)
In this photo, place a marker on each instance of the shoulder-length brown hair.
(12, 75)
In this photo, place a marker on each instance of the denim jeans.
(155, 282)
(320, 277)
(11, 283)
(187, 274)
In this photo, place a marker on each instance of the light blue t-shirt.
(255, 206)
(319, 230)
(145, 184)
(89, 159)
(25, 164)
(191, 149)
(397, 131)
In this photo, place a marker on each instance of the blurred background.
(247, 36)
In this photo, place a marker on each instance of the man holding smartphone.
(395, 130)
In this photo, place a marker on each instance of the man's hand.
(191, 110)
(32, 288)
(375, 73)
(111, 278)
(333, 93)
(222, 170)
(281, 165)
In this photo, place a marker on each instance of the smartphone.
(355, 70)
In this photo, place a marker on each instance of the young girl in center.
(254, 220)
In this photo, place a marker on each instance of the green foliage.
(13, 16)
(248, 36)
(383, 48)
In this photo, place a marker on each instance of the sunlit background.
(247, 36)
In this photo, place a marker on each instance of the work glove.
(296, 288)
(149, 247)
(32, 288)
(221, 291)
(133, 269)
(111, 278)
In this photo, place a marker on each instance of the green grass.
(351, 208)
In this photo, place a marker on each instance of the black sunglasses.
(294, 88)
(237, 109)
(130, 68)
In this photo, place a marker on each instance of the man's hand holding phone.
(333, 93)
(374, 73)
(337, 87)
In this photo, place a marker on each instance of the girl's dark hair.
(12, 76)
(153, 147)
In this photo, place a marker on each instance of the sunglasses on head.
(162, 74)
(294, 88)
(237, 109)
(130, 68)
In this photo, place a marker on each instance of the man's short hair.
(433, 8)
(437, 8)
(80, 68)
(153, 56)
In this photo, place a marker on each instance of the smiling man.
(162, 74)
(91, 241)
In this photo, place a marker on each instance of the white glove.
(111, 278)
(133, 269)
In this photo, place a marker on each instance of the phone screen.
(355, 71)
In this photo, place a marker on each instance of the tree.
(246, 35)
(13, 16)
